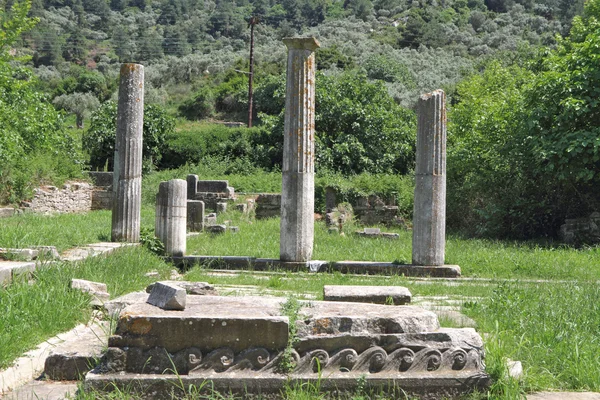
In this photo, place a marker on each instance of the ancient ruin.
(242, 345)
(210, 192)
(429, 217)
(127, 183)
(298, 169)
(171, 216)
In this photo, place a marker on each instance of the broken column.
(171, 216)
(297, 197)
(429, 217)
(127, 177)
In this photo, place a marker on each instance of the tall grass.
(34, 309)
(553, 329)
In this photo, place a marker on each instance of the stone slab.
(97, 290)
(384, 268)
(19, 268)
(43, 390)
(5, 274)
(73, 358)
(207, 323)
(564, 396)
(192, 288)
(212, 186)
(167, 296)
(345, 267)
(31, 364)
(211, 322)
(115, 306)
(7, 212)
(159, 387)
(391, 295)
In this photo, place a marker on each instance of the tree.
(359, 127)
(29, 125)
(80, 104)
(565, 117)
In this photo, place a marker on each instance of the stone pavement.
(10, 269)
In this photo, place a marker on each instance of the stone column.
(171, 216)
(298, 192)
(127, 177)
(429, 219)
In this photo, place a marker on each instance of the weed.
(290, 308)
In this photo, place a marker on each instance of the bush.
(99, 139)
(359, 128)
(193, 144)
(201, 106)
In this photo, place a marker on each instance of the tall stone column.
(127, 177)
(429, 217)
(298, 189)
(171, 216)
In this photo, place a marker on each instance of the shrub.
(99, 139)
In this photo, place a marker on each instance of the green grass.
(34, 309)
(551, 327)
(61, 230)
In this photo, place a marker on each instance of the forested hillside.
(412, 46)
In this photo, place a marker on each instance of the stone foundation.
(240, 344)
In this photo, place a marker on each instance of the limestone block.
(167, 296)
(79, 354)
(192, 288)
(195, 215)
(210, 219)
(213, 186)
(221, 207)
(192, 186)
(6, 212)
(98, 290)
(5, 275)
(396, 295)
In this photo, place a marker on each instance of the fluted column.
(297, 193)
(127, 179)
(171, 216)
(429, 217)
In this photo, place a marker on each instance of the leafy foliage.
(99, 139)
(564, 120)
(30, 127)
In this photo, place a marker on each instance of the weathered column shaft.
(171, 216)
(127, 177)
(297, 194)
(429, 217)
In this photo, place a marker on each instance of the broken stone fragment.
(167, 296)
(193, 288)
(98, 290)
(396, 295)
(216, 228)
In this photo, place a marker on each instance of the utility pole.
(253, 21)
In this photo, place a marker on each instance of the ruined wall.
(102, 194)
(581, 230)
(72, 197)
